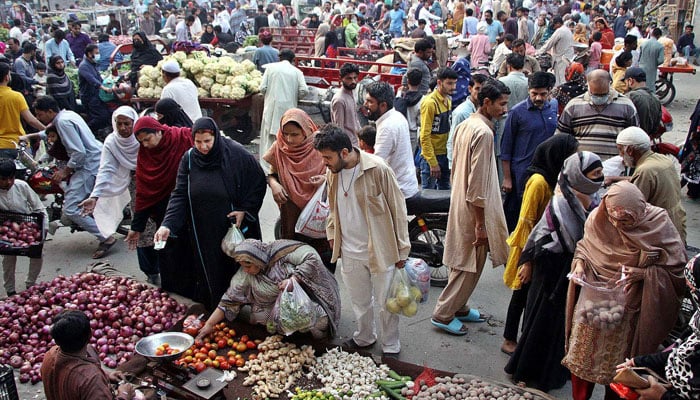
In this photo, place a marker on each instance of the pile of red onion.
(121, 311)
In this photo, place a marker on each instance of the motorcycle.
(427, 229)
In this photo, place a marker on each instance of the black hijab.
(243, 177)
(206, 36)
(146, 54)
(52, 64)
(550, 156)
(173, 114)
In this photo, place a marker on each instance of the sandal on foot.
(455, 327)
(472, 316)
(103, 248)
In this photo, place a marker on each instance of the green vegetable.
(394, 394)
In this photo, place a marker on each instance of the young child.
(595, 51)
(17, 196)
(622, 62)
(367, 136)
(40, 77)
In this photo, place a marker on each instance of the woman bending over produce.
(267, 270)
(293, 162)
(218, 182)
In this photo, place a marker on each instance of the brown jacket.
(384, 206)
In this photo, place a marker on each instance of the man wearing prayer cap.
(654, 174)
(180, 89)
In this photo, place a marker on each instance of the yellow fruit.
(393, 306)
(410, 310)
(416, 293)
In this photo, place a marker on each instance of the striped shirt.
(596, 127)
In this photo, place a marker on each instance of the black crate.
(8, 388)
(33, 251)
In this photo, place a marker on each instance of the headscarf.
(147, 55)
(241, 173)
(482, 27)
(580, 33)
(173, 114)
(53, 60)
(156, 168)
(576, 168)
(549, 157)
(113, 180)
(207, 37)
(296, 165)
(458, 16)
(653, 253)
(679, 369)
(253, 251)
(320, 40)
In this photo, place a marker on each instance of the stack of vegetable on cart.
(230, 89)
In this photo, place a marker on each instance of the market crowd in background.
(551, 168)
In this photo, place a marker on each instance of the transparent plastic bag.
(294, 311)
(600, 304)
(312, 219)
(233, 238)
(418, 273)
(403, 297)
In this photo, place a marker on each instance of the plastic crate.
(33, 251)
(8, 388)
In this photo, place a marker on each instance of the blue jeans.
(79, 188)
(687, 51)
(428, 182)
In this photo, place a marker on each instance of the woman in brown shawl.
(266, 270)
(293, 161)
(624, 235)
(458, 17)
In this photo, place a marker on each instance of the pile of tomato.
(221, 350)
(165, 349)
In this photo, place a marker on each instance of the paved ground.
(477, 353)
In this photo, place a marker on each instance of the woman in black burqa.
(218, 182)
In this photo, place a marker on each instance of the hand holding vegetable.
(238, 215)
(283, 285)
(205, 331)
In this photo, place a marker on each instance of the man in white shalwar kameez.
(476, 224)
(561, 45)
(283, 85)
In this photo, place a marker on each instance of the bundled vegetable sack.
(293, 310)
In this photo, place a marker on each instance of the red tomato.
(224, 365)
(251, 344)
(244, 338)
(241, 347)
(212, 354)
(240, 362)
(199, 367)
(221, 343)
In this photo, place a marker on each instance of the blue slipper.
(473, 316)
(455, 327)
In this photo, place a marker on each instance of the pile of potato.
(459, 387)
(603, 314)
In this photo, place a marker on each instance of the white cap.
(171, 67)
(632, 136)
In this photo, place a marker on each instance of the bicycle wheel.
(665, 90)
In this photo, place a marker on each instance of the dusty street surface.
(477, 353)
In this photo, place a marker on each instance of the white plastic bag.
(312, 220)
(233, 238)
(109, 212)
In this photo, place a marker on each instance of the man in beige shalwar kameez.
(476, 223)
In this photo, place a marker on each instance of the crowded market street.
(476, 353)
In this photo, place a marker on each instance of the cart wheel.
(665, 90)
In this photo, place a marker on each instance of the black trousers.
(515, 311)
